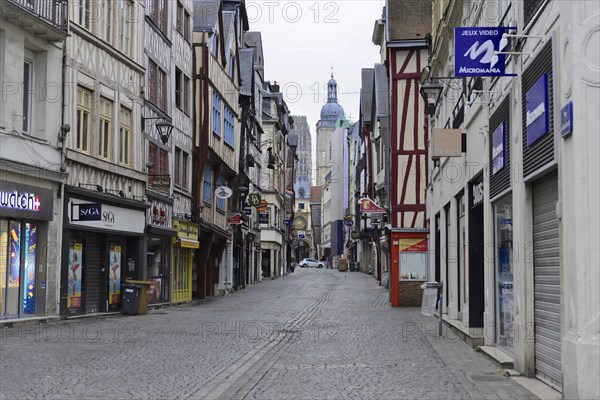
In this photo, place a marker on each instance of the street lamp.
(431, 94)
(164, 127)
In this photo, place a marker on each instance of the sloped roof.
(366, 93)
(254, 39)
(206, 13)
(246, 70)
(381, 91)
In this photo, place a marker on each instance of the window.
(220, 203)
(104, 130)
(105, 26)
(207, 184)
(125, 136)
(229, 135)
(28, 87)
(178, 166)
(158, 13)
(157, 85)
(83, 13)
(230, 66)
(183, 21)
(182, 91)
(181, 161)
(186, 94)
(216, 122)
(215, 44)
(84, 104)
(125, 26)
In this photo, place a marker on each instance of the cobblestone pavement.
(314, 334)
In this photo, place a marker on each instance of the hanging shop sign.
(447, 143)
(254, 199)
(223, 192)
(369, 206)
(263, 217)
(536, 107)
(104, 216)
(24, 201)
(161, 182)
(235, 219)
(566, 120)
(475, 51)
(498, 158)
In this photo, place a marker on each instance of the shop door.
(94, 273)
(547, 281)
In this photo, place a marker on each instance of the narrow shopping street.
(316, 333)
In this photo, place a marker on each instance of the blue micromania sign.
(475, 51)
(498, 154)
(536, 107)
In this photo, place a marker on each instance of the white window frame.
(28, 90)
(105, 128)
(125, 136)
(84, 107)
(105, 26)
(126, 10)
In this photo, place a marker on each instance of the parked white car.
(311, 262)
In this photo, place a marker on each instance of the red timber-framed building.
(406, 26)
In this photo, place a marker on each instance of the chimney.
(275, 87)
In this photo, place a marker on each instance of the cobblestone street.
(314, 334)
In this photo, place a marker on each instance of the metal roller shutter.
(547, 281)
(93, 273)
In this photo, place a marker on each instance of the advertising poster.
(413, 259)
(15, 254)
(114, 279)
(154, 290)
(29, 275)
(74, 278)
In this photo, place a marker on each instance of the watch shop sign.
(24, 201)
(476, 51)
(99, 215)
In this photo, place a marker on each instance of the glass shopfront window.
(504, 272)
(157, 269)
(18, 261)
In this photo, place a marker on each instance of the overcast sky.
(303, 40)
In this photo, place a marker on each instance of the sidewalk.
(480, 376)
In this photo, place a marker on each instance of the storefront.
(502, 209)
(184, 245)
(539, 171)
(102, 247)
(25, 212)
(408, 267)
(475, 253)
(159, 237)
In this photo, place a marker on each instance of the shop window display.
(17, 268)
(504, 272)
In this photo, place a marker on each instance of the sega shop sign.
(104, 216)
(475, 51)
(536, 108)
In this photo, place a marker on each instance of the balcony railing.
(52, 12)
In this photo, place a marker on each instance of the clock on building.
(299, 222)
